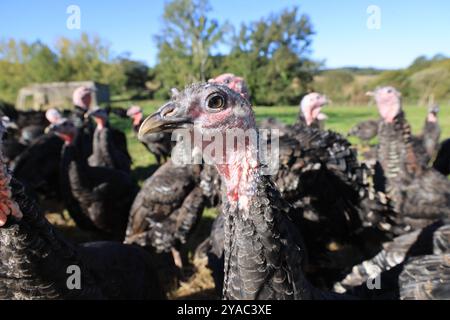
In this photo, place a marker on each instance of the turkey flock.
(327, 224)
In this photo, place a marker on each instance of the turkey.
(97, 198)
(12, 147)
(264, 250)
(310, 112)
(82, 98)
(319, 174)
(166, 209)
(425, 145)
(401, 267)
(442, 161)
(37, 167)
(36, 261)
(109, 146)
(420, 195)
(159, 144)
(431, 132)
(365, 130)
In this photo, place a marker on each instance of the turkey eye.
(216, 102)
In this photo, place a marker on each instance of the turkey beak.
(168, 118)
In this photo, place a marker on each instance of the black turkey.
(442, 161)
(310, 111)
(109, 145)
(412, 266)
(159, 144)
(166, 209)
(97, 198)
(365, 130)
(263, 247)
(37, 167)
(12, 147)
(319, 174)
(36, 262)
(420, 195)
(431, 132)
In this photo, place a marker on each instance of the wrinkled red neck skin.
(137, 119)
(67, 138)
(238, 171)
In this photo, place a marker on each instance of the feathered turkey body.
(108, 152)
(36, 262)
(442, 161)
(44, 154)
(365, 130)
(167, 208)
(97, 198)
(421, 196)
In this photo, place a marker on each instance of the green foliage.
(424, 80)
(271, 55)
(87, 58)
(185, 43)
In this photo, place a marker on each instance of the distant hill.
(426, 79)
(355, 70)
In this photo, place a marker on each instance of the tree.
(136, 74)
(185, 42)
(272, 54)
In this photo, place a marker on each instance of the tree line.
(271, 53)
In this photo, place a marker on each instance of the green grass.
(340, 119)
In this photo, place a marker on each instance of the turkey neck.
(74, 167)
(262, 255)
(396, 153)
(301, 124)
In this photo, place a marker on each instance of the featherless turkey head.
(233, 82)
(53, 115)
(219, 112)
(99, 115)
(82, 97)
(8, 207)
(135, 113)
(203, 106)
(64, 129)
(432, 113)
(388, 101)
(311, 106)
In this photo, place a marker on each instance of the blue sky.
(409, 28)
